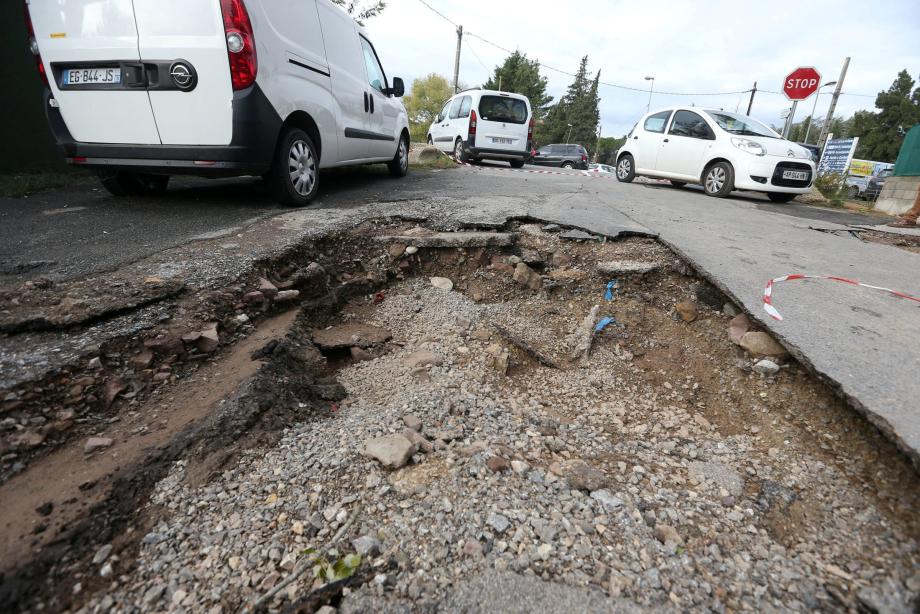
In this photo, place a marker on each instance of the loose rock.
(391, 451)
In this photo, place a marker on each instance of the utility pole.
(457, 60)
(811, 119)
(788, 128)
(830, 110)
(751, 101)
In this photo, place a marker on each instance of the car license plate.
(500, 141)
(795, 175)
(91, 76)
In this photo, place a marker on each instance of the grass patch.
(441, 161)
(17, 185)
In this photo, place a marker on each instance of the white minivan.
(484, 125)
(721, 150)
(144, 89)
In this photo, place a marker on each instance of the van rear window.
(501, 109)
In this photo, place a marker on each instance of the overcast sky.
(695, 47)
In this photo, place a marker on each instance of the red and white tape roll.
(768, 290)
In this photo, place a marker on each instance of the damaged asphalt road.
(846, 335)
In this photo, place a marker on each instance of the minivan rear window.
(501, 109)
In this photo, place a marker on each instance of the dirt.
(905, 242)
(272, 376)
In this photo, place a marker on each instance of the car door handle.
(666, 141)
(635, 138)
(366, 106)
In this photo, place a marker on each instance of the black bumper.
(500, 154)
(256, 126)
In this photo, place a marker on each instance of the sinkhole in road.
(477, 356)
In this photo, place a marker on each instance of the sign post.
(799, 85)
(837, 155)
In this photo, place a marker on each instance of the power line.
(443, 16)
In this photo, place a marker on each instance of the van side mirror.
(398, 89)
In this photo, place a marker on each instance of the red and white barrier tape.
(574, 173)
(768, 290)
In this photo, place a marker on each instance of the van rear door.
(502, 123)
(90, 53)
(184, 47)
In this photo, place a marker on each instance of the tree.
(522, 76)
(575, 117)
(427, 97)
(881, 134)
(607, 147)
(360, 10)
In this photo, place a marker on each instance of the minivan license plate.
(91, 76)
(795, 175)
(500, 141)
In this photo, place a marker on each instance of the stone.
(759, 343)
(718, 474)
(253, 298)
(102, 554)
(526, 276)
(453, 239)
(616, 268)
(154, 594)
(442, 283)
(396, 250)
(353, 334)
(166, 345)
(498, 522)
(267, 288)
(97, 443)
(428, 153)
(411, 250)
(497, 464)
(366, 545)
(391, 451)
(141, 360)
(287, 295)
(686, 310)
(481, 334)
(579, 475)
(106, 570)
(544, 550)
(422, 358)
(472, 548)
(666, 533)
(498, 358)
(413, 422)
(27, 439)
(766, 367)
(208, 341)
(531, 256)
(607, 499)
(738, 326)
(560, 259)
(359, 354)
(519, 467)
(730, 310)
(551, 228)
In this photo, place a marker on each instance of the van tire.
(460, 152)
(126, 183)
(517, 164)
(399, 165)
(296, 154)
(719, 180)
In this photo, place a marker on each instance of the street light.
(568, 134)
(650, 88)
(812, 118)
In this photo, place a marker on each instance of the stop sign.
(801, 83)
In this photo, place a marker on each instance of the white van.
(144, 89)
(484, 125)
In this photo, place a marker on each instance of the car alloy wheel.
(623, 168)
(715, 179)
(403, 154)
(301, 168)
(458, 151)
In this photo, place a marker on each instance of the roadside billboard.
(837, 156)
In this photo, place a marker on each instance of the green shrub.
(833, 186)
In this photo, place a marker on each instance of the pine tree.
(578, 107)
(881, 134)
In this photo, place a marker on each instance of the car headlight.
(752, 147)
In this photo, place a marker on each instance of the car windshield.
(740, 124)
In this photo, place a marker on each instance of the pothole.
(483, 425)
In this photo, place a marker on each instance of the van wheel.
(459, 153)
(125, 183)
(399, 165)
(780, 197)
(294, 178)
(517, 164)
(626, 169)
(719, 179)
(430, 142)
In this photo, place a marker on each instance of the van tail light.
(530, 131)
(33, 46)
(584, 158)
(241, 44)
(472, 133)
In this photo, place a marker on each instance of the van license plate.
(91, 76)
(499, 141)
(795, 175)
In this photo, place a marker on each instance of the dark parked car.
(564, 156)
(814, 149)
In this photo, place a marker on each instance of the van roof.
(479, 90)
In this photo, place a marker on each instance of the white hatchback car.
(484, 125)
(144, 89)
(722, 151)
